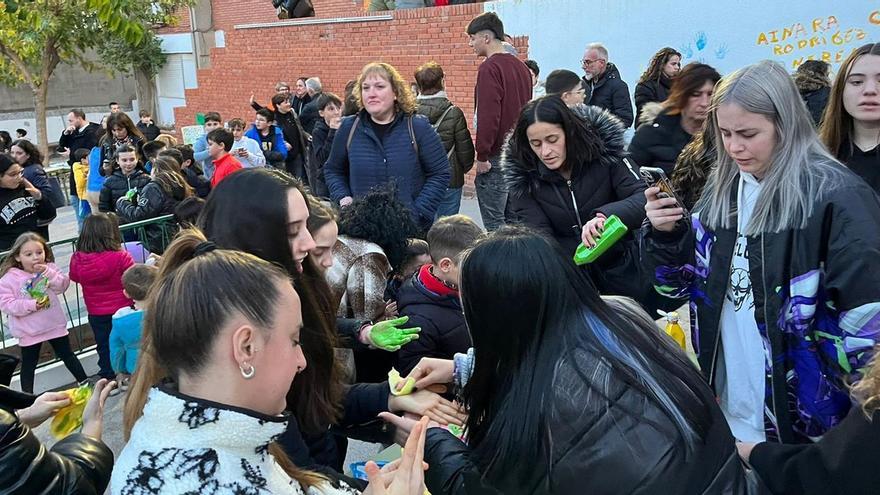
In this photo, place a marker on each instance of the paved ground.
(65, 227)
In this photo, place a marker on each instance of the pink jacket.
(100, 275)
(27, 323)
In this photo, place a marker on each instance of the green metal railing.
(162, 229)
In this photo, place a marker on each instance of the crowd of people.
(321, 250)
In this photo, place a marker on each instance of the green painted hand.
(388, 336)
(131, 194)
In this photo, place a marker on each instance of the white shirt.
(254, 157)
(742, 364)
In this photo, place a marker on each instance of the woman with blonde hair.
(386, 142)
(851, 123)
(779, 261)
(844, 461)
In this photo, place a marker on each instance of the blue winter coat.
(279, 146)
(421, 178)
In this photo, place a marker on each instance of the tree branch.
(18, 62)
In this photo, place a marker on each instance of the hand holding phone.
(663, 208)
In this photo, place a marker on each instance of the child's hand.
(43, 302)
(40, 267)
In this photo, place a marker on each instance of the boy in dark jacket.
(146, 125)
(430, 297)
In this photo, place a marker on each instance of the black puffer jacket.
(444, 331)
(454, 133)
(611, 93)
(620, 444)
(816, 102)
(79, 464)
(543, 199)
(117, 185)
(654, 91)
(659, 143)
(152, 202)
(197, 180)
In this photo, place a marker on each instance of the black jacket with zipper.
(610, 92)
(117, 185)
(816, 300)
(609, 184)
(152, 202)
(655, 90)
(658, 143)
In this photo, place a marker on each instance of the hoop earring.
(249, 373)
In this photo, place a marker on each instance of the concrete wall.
(726, 35)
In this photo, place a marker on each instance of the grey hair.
(599, 47)
(313, 84)
(801, 171)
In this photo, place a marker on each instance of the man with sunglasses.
(604, 87)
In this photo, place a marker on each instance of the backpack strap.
(412, 134)
(436, 125)
(351, 133)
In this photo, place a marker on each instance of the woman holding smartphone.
(779, 262)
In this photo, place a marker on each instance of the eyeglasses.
(591, 62)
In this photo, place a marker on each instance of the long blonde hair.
(801, 169)
(406, 101)
(184, 315)
(867, 390)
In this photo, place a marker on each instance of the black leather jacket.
(78, 464)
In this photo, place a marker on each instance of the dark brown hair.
(213, 117)
(100, 232)
(319, 214)
(691, 78)
(451, 235)
(429, 77)
(34, 155)
(138, 279)
(120, 119)
(655, 67)
(184, 317)
(170, 178)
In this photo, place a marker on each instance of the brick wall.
(255, 59)
(182, 26)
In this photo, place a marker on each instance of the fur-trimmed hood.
(650, 112)
(519, 177)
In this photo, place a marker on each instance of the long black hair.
(378, 217)
(529, 309)
(582, 142)
(247, 211)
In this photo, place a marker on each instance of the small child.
(219, 143)
(125, 339)
(430, 296)
(29, 290)
(98, 265)
(81, 179)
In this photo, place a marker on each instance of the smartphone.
(656, 177)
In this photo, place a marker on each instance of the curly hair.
(693, 166)
(406, 101)
(381, 219)
(655, 66)
(867, 390)
(34, 155)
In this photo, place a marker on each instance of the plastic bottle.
(674, 330)
(613, 231)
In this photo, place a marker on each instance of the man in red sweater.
(219, 143)
(504, 86)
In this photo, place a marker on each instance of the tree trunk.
(146, 93)
(41, 94)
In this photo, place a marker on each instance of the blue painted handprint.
(701, 40)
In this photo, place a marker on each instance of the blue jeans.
(450, 204)
(492, 195)
(82, 209)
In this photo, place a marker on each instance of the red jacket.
(504, 86)
(224, 166)
(100, 275)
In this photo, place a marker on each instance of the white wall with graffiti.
(726, 35)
